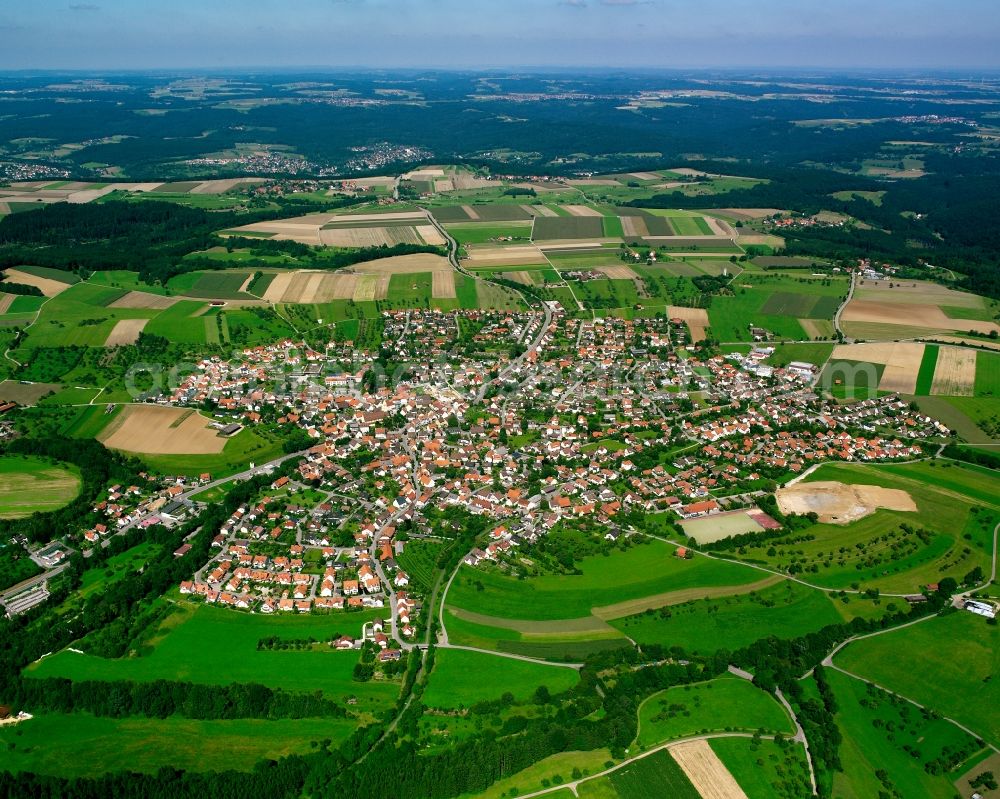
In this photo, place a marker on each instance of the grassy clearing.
(33, 485)
(216, 646)
(462, 678)
(723, 704)
(765, 770)
(956, 678)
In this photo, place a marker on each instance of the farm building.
(981, 608)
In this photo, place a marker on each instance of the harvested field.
(483, 257)
(839, 503)
(916, 292)
(902, 362)
(582, 210)
(696, 318)
(222, 186)
(955, 372)
(543, 210)
(622, 272)
(369, 236)
(370, 287)
(707, 773)
(444, 185)
(911, 315)
(750, 213)
(424, 174)
(155, 430)
(143, 299)
(431, 235)
(125, 331)
(471, 212)
(634, 226)
(6, 300)
(25, 393)
(594, 182)
(522, 277)
(404, 264)
(443, 284)
(645, 176)
(817, 328)
(48, 287)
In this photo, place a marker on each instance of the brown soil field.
(424, 174)
(404, 264)
(464, 182)
(222, 186)
(719, 228)
(902, 362)
(431, 235)
(277, 287)
(707, 773)
(143, 299)
(6, 300)
(644, 175)
(955, 372)
(47, 286)
(156, 430)
(622, 272)
(630, 607)
(634, 226)
(125, 331)
(443, 284)
(483, 257)
(444, 185)
(25, 393)
(916, 292)
(839, 503)
(582, 210)
(369, 236)
(524, 278)
(910, 315)
(970, 342)
(696, 318)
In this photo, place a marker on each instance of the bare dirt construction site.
(955, 372)
(696, 319)
(125, 331)
(839, 503)
(901, 360)
(156, 430)
(707, 773)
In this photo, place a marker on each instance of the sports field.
(33, 485)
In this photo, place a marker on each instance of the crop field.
(478, 233)
(706, 771)
(49, 285)
(912, 662)
(709, 706)
(33, 485)
(568, 227)
(25, 393)
(703, 626)
(215, 646)
(51, 743)
(248, 445)
(876, 550)
(987, 374)
(655, 775)
(775, 303)
(156, 430)
(215, 285)
(462, 678)
(889, 736)
(901, 361)
(341, 230)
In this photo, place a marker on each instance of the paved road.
(840, 310)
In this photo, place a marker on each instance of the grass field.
(925, 377)
(987, 374)
(31, 485)
(765, 770)
(723, 704)
(205, 644)
(462, 678)
(52, 743)
(949, 664)
(656, 775)
(775, 303)
(891, 737)
(641, 571)
(787, 610)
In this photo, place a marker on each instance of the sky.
(673, 34)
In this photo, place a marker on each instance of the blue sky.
(113, 34)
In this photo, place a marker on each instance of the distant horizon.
(115, 35)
